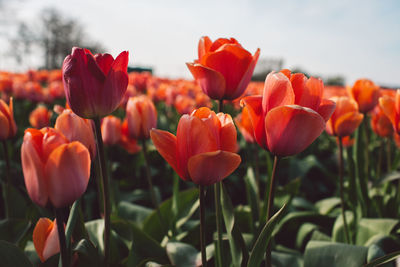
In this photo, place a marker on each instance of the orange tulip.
(111, 130)
(45, 239)
(75, 128)
(203, 150)
(8, 128)
(55, 170)
(243, 122)
(346, 118)
(291, 114)
(141, 116)
(391, 107)
(380, 123)
(126, 141)
(40, 117)
(224, 67)
(366, 94)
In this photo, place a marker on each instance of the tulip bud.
(111, 130)
(45, 239)
(141, 116)
(40, 117)
(8, 128)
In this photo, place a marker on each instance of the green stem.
(151, 187)
(346, 231)
(7, 184)
(388, 155)
(61, 238)
(380, 156)
(202, 227)
(106, 193)
(271, 194)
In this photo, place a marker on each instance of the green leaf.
(237, 245)
(253, 195)
(258, 251)
(73, 217)
(338, 234)
(133, 212)
(329, 254)
(11, 255)
(182, 255)
(13, 230)
(88, 254)
(280, 259)
(325, 206)
(368, 228)
(304, 233)
(385, 259)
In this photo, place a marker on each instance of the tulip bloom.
(291, 114)
(380, 123)
(141, 116)
(45, 239)
(40, 117)
(224, 68)
(243, 122)
(126, 141)
(94, 85)
(8, 128)
(346, 118)
(111, 130)
(75, 128)
(55, 171)
(366, 94)
(203, 150)
(391, 107)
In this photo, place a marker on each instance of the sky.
(355, 39)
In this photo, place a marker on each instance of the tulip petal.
(278, 91)
(308, 92)
(388, 107)
(326, 109)
(40, 234)
(165, 143)
(4, 127)
(68, 172)
(33, 168)
(211, 82)
(104, 61)
(228, 133)
(52, 244)
(211, 167)
(291, 129)
(241, 88)
(348, 123)
(115, 84)
(254, 105)
(232, 61)
(193, 137)
(204, 46)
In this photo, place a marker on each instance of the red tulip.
(380, 123)
(243, 122)
(366, 93)
(141, 116)
(94, 85)
(346, 118)
(391, 107)
(75, 128)
(291, 114)
(40, 117)
(8, 128)
(111, 130)
(45, 239)
(224, 68)
(203, 150)
(55, 171)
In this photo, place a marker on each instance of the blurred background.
(339, 41)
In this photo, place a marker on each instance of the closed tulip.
(75, 128)
(203, 150)
(111, 130)
(290, 114)
(129, 143)
(94, 84)
(8, 128)
(141, 116)
(345, 119)
(380, 123)
(45, 239)
(40, 117)
(366, 93)
(224, 68)
(391, 107)
(243, 122)
(55, 171)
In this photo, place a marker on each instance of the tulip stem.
(271, 194)
(388, 155)
(106, 193)
(346, 230)
(202, 227)
(61, 237)
(151, 187)
(7, 184)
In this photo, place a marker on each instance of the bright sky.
(355, 39)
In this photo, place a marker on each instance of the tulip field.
(101, 167)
